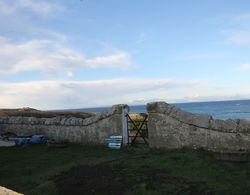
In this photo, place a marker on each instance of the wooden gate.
(137, 128)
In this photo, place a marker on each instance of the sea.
(234, 109)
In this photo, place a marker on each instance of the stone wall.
(172, 128)
(91, 130)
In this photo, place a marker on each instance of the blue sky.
(57, 54)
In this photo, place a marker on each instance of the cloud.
(216, 97)
(52, 57)
(245, 67)
(241, 20)
(41, 7)
(6, 8)
(76, 94)
(112, 61)
(199, 55)
(141, 38)
(240, 37)
(238, 30)
(64, 94)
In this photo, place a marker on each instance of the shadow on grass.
(117, 179)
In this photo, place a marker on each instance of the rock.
(118, 108)
(199, 120)
(159, 107)
(33, 121)
(224, 125)
(244, 126)
(42, 121)
(63, 121)
(56, 120)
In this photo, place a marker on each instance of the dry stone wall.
(172, 128)
(92, 130)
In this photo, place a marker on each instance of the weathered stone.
(42, 121)
(159, 107)
(169, 127)
(199, 120)
(118, 109)
(88, 130)
(12, 119)
(2, 119)
(33, 120)
(56, 120)
(224, 125)
(63, 120)
(244, 126)
(48, 121)
(172, 128)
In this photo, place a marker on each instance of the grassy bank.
(76, 169)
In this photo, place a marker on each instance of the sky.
(62, 54)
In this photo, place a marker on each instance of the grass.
(33, 169)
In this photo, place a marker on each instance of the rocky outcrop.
(171, 127)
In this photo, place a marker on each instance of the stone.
(199, 120)
(33, 121)
(118, 108)
(244, 126)
(228, 125)
(56, 120)
(42, 121)
(91, 130)
(172, 128)
(159, 107)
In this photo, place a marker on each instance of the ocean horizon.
(229, 109)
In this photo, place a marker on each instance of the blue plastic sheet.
(35, 139)
(38, 139)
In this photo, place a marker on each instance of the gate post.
(125, 112)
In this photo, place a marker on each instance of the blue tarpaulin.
(38, 139)
(34, 139)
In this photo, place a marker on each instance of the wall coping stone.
(200, 120)
(67, 121)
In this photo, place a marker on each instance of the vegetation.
(31, 112)
(79, 169)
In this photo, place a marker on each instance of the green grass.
(32, 169)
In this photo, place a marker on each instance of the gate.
(137, 128)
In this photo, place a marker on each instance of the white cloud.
(53, 57)
(6, 8)
(199, 55)
(75, 94)
(245, 67)
(240, 37)
(238, 30)
(112, 60)
(63, 94)
(215, 97)
(141, 38)
(40, 7)
(241, 20)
